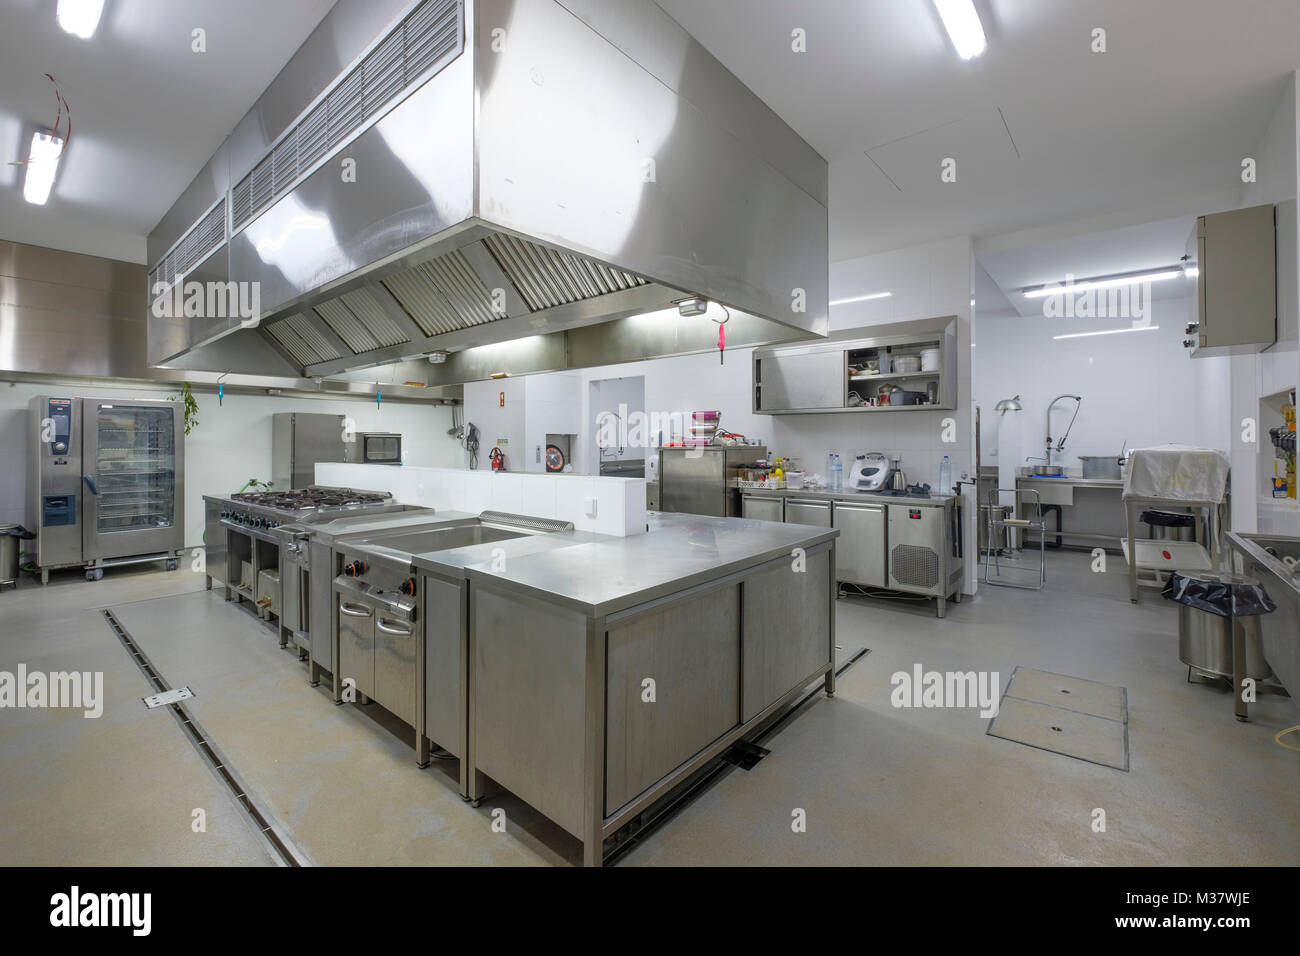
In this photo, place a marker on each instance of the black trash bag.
(17, 531)
(1168, 519)
(1223, 598)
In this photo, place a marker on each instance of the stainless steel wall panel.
(414, 179)
(691, 648)
(787, 628)
(444, 663)
(528, 674)
(210, 185)
(342, 37)
(654, 40)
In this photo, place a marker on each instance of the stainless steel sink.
(442, 539)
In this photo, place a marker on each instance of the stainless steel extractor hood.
(449, 175)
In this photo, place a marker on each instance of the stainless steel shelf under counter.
(729, 620)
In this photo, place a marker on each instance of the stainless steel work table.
(1060, 493)
(609, 574)
(604, 671)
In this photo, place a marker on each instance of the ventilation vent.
(429, 38)
(203, 239)
(917, 566)
(443, 295)
(547, 278)
(299, 336)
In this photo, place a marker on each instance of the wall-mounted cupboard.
(907, 366)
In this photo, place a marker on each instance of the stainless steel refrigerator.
(298, 441)
(105, 483)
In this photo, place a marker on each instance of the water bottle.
(837, 473)
(945, 476)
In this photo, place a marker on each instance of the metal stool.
(998, 525)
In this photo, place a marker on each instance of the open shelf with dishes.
(899, 367)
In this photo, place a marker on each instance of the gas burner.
(308, 499)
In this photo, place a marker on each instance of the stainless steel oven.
(375, 448)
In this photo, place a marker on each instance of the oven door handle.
(353, 610)
(386, 626)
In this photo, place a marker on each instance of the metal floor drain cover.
(172, 696)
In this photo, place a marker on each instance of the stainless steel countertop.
(453, 562)
(934, 501)
(600, 574)
(328, 531)
(1069, 480)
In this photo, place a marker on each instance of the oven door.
(381, 449)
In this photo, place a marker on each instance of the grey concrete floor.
(878, 785)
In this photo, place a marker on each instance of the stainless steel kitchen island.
(604, 671)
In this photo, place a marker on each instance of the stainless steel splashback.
(461, 173)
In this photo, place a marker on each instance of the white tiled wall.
(614, 506)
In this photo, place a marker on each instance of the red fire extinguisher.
(498, 460)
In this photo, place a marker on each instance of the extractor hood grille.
(429, 38)
(359, 334)
(299, 336)
(547, 278)
(443, 295)
(204, 237)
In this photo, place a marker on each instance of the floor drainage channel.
(270, 832)
(745, 757)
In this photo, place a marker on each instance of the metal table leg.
(1132, 554)
(1238, 634)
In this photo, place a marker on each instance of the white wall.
(624, 397)
(1139, 386)
(231, 444)
(613, 506)
(1277, 369)
(535, 405)
(500, 425)
(553, 406)
(923, 281)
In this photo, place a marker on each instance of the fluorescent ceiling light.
(1155, 275)
(42, 163)
(963, 26)
(1132, 328)
(80, 17)
(1191, 271)
(862, 298)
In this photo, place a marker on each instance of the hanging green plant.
(191, 406)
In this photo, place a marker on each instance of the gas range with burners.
(241, 544)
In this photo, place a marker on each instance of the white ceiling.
(1109, 252)
(147, 112)
(1043, 129)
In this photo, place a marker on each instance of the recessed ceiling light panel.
(963, 26)
(80, 17)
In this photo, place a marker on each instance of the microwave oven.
(375, 448)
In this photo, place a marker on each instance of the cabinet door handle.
(387, 628)
(354, 610)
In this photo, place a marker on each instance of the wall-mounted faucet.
(1060, 445)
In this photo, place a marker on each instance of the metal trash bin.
(1170, 525)
(1216, 611)
(1205, 645)
(10, 535)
